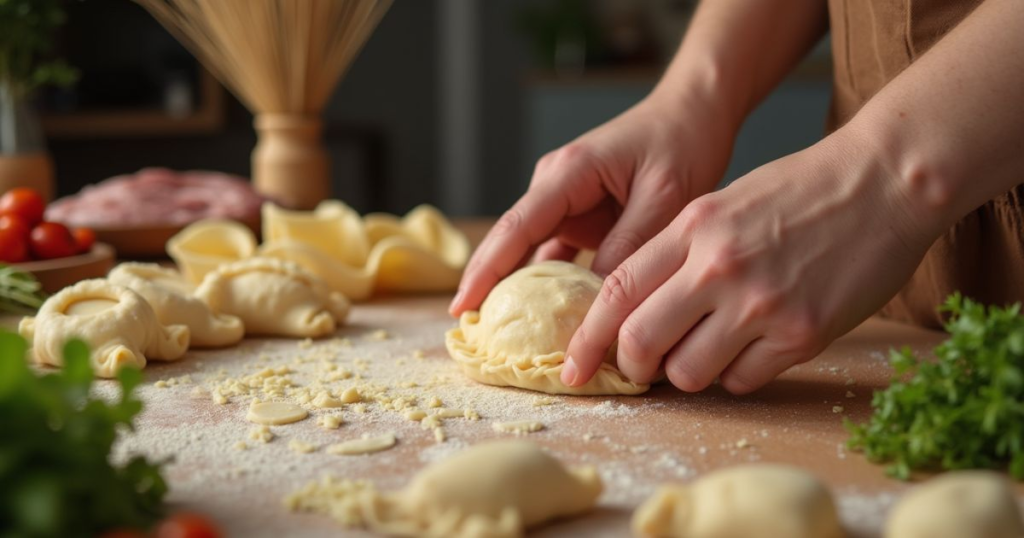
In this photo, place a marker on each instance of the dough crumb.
(415, 415)
(471, 415)
(329, 422)
(275, 413)
(306, 344)
(363, 445)
(850, 382)
(418, 354)
(451, 413)
(742, 443)
(434, 402)
(161, 384)
(359, 408)
(850, 394)
(379, 335)
(837, 409)
(261, 434)
(324, 400)
(439, 435)
(521, 427)
(219, 398)
(542, 401)
(241, 446)
(351, 395)
(430, 422)
(300, 447)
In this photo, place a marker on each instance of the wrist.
(699, 84)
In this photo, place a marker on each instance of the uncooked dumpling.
(749, 501)
(119, 326)
(496, 489)
(961, 504)
(421, 252)
(171, 297)
(274, 297)
(519, 336)
(206, 245)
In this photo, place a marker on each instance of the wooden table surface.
(635, 442)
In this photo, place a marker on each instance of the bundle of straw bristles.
(279, 57)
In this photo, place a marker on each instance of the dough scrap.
(421, 252)
(274, 297)
(274, 413)
(521, 427)
(206, 245)
(519, 336)
(364, 445)
(170, 295)
(495, 489)
(746, 501)
(960, 504)
(119, 326)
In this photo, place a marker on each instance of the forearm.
(950, 128)
(736, 51)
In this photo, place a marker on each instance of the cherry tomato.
(24, 202)
(85, 238)
(186, 525)
(13, 242)
(50, 240)
(123, 533)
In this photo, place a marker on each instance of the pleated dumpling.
(519, 336)
(421, 252)
(171, 297)
(119, 326)
(496, 489)
(274, 298)
(208, 244)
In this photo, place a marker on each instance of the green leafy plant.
(26, 38)
(55, 443)
(20, 292)
(964, 410)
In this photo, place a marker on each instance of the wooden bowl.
(55, 275)
(148, 241)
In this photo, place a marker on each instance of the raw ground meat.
(158, 197)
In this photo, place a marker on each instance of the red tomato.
(85, 238)
(186, 525)
(50, 240)
(13, 241)
(26, 203)
(127, 533)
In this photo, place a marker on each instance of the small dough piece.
(170, 295)
(521, 427)
(274, 297)
(959, 504)
(495, 489)
(119, 326)
(274, 413)
(365, 445)
(300, 447)
(206, 245)
(746, 501)
(519, 336)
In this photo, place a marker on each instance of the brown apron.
(982, 256)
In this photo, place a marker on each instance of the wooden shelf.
(208, 118)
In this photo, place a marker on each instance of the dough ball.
(962, 504)
(748, 501)
(519, 336)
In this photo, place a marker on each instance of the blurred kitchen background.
(451, 102)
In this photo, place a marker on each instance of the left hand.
(761, 275)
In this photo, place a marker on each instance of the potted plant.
(26, 37)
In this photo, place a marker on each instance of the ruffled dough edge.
(195, 264)
(539, 374)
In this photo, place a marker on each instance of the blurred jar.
(24, 160)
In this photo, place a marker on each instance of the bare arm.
(617, 186)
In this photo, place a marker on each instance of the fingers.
(650, 208)
(623, 291)
(555, 249)
(694, 363)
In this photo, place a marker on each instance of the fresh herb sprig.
(55, 443)
(964, 410)
(20, 292)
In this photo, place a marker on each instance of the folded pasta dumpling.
(274, 298)
(171, 297)
(496, 489)
(119, 326)
(204, 246)
(519, 336)
(421, 252)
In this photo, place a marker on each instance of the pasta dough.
(274, 297)
(495, 489)
(519, 336)
(170, 295)
(960, 504)
(204, 246)
(119, 326)
(749, 501)
(418, 253)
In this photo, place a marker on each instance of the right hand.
(611, 190)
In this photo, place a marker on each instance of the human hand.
(759, 276)
(611, 190)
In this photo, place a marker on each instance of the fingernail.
(569, 372)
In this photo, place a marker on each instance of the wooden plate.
(57, 274)
(147, 241)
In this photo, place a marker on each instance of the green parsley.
(20, 292)
(964, 410)
(55, 443)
